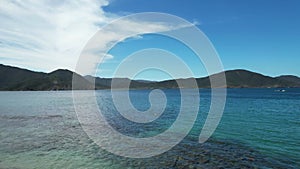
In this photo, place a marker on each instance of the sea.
(260, 128)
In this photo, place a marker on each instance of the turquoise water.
(259, 128)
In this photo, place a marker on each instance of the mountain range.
(17, 79)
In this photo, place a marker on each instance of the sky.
(260, 36)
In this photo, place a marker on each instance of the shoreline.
(149, 89)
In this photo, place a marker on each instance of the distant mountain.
(289, 78)
(241, 79)
(246, 79)
(102, 83)
(13, 78)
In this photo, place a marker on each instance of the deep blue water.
(259, 128)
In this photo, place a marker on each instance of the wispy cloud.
(46, 35)
(49, 34)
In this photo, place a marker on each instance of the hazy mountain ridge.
(15, 79)
(289, 78)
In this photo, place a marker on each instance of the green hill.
(289, 78)
(13, 78)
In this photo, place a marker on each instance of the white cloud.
(49, 34)
(46, 35)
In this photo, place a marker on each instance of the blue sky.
(261, 36)
(123, 50)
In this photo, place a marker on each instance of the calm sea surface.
(260, 128)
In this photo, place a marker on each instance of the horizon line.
(150, 80)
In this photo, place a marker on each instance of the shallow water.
(260, 128)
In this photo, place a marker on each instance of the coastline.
(108, 89)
